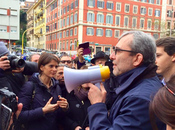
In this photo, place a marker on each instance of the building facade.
(168, 18)
(39, 24)
(30, 27)
(100, 22)
(9, 23)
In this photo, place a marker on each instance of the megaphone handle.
(97, 84)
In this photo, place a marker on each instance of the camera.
(9, 99)
(15, 62)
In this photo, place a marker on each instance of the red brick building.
(100, 22)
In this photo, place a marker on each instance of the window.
(151, 1)
(168, 25)
(157, 13)
(156, 24)
(55, 25)
(75, 31)
(91, 3)
(13, 29)
(126, 20)
(75, 17)
(72, 5)
(100, 18)
(70, 45)
(76, 3)
(170, 2)
(156, 36)
(100, 4)
(143, 0)
(149, 24)
(67, 21)
(99, 32)
(134, 22)
(64, 34)
(150, 11)
(118, 6)
(126, 8)
(98, 49)
(67, 45)
(90, 17)
(71, 19)
(64, 10)
(71, 32)
(63, 45)
(142, 23)
(75, 44)
(109, 19)
(158, 2)
(143, 10)
(58, 14)
(117, 33)
(109, 5)
(67, 33)
(55, 15)
(63, 22)
(135, 8)
(108, 33)
(60, 34)
(90, 31)
(57, 35)
(117, 20)
(68, 8)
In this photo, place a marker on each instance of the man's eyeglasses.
(64, 61)
(170, 90)
(117, 50)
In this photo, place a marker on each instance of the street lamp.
(23, 38)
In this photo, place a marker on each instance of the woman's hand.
(63, 103)
(50, 107)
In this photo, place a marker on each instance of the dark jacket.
(14, 81)
(77, 111)
(32, 114)
(130, 111)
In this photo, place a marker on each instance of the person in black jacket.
(13, 79)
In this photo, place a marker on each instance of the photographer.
(11, 77)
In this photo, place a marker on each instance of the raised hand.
(62, 102)
(50, 107)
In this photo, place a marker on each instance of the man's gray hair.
(143, 43)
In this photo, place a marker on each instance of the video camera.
(8, 105)
(15, 62)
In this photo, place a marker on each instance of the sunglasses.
(118, 50)
(64, 61)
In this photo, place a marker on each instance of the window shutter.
(102, 18)
(144, 10)
(106, 18)
(93, 17)
(87, 2)
(96, 31)
(94, 3)
(86, 31)
(111, 33)
(111, 19)
(112, 6)
(97, 3)
(159, 12)
(102, 31)
(97, 18)
(87, 16)
(106, 33)
(107, 6)
(92, 31)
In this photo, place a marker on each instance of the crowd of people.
(139, 95)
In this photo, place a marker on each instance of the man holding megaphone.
(134, 67)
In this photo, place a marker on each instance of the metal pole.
(9, 28)
(171, 20)
(23, 38)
